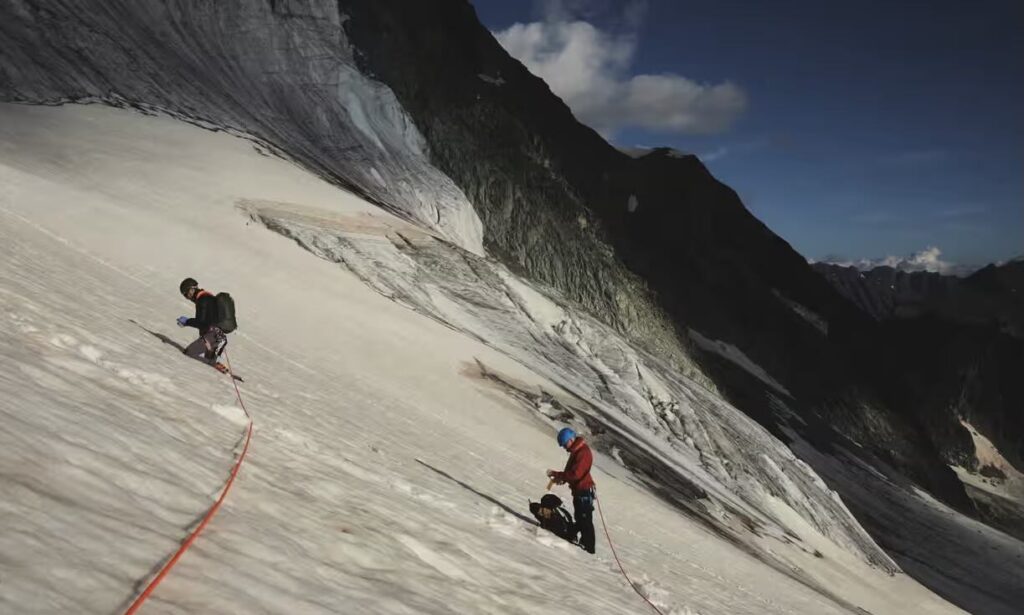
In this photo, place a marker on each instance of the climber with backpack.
(215, 318)
(553, 517)
(577, 475)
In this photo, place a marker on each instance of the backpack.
(226, 313)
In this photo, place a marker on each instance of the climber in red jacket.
(577, 475)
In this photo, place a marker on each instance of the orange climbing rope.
(623, 570)
(137, 603)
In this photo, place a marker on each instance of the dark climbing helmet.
(187, 284)
(550, 500)
(564, 435)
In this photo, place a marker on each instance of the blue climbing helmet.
(564, 435)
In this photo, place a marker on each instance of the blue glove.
(182, 321)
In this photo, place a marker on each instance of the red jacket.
(577, 469)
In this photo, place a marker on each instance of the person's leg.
(583, 511)
(218, 340)
(197, 349)
(207, 347)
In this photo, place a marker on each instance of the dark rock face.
(885, 292)
(990, 471)
(944, 371)
(533, 173)
(999, 292)
(953, 349)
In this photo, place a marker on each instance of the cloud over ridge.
(928, 260)
(589, 69)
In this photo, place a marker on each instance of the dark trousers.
(208, 347)
(583, 513)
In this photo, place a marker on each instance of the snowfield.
(403, 415)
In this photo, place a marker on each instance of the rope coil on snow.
(616, 555)
(137, 603)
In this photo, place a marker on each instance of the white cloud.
(715, 154)
(733, 149)
(925, 260)
(589, 69)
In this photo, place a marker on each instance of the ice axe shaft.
(550, 484)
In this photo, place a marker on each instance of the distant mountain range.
(991, 295)
(948, 348)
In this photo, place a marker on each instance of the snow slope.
(388, 472)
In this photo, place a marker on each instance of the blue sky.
(854, 130)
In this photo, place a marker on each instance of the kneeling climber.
(553, 517)
(215, 318)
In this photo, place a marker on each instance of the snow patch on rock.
(995, 474)
(736, 356)
(810, 316)
(491, 80)
(632, 203)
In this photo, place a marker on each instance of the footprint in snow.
(503, 522)
(233, 414)
(435, 560)
(45, 379)
(91, 353)
(295, 440)
(21, 323)
(64, 341)
(658, 596)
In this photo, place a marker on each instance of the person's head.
(189, 287)
(551, 501)
(565, 437)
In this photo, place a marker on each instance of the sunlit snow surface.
(404, 402)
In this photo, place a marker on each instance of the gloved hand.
(182, 320)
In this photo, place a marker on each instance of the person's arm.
(560, 477)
